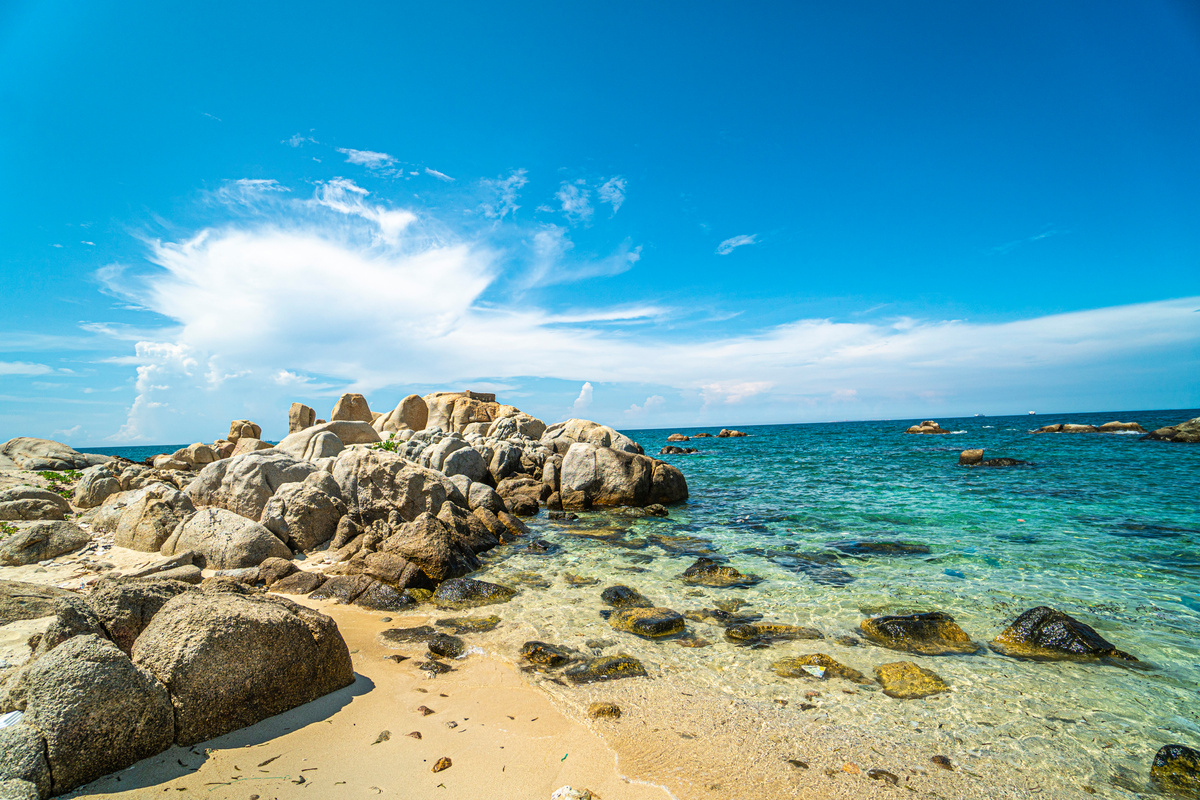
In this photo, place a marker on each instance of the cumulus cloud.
(366, 158)
(612, 192)
(648, 406)
(584, 401)
(734, 242)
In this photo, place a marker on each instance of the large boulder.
(248, 445)
(40, 541)
(1176, 771)
(300, 417)
(26, 452)
(305, 515)
(1046, 634)
(377, 485)
(351, 407)
(327, 439)
(97, 710)
(30, 502)
(243, 484)
(23, 758)
(149, 516)
(465, 461)
(560, 436)
(927, 427)
(95, 485)
(601, 476)
(20, 600)
(519, 424)
(434, 546)
(243, 427)
(1188, 432)
(1116, 427)
(411, 413)
(230, 660)
(125, 607)
(222, 539)
(932, 633)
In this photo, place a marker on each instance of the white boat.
(1032, 412)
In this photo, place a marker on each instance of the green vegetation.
(390, 446)
(60, 481)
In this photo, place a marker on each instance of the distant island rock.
(928, 426)
(729, 433)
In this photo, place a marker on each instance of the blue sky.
(647, 214)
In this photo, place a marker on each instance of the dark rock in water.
(602, 710)
(706, 572)
(656, 510)
(1188, 432)
(818, 666)
(1004, 462)
(933, 634)
(904, 680)
(767, 632)
(434, 666)
(343, 588)
(881, 548)
(943, 762)
(623, 597)
(458, 593)
(728, 433)
(470, 624)
(606, 668)
(878, 774)
(821, 568)
(528, 578)
(563, 516)
(702, 436)
(649, 623)
(545, 655)
(540, 547)
(1046, 634)
(571, 579)
(381, 597)
(298, 583)
(445, 645)
(715, 616)
(1176, 771)
(394, 637)
(672, 450)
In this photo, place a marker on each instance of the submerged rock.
(672, 450)
(932, 634)
(905, 680)
(1176, 771)
(649, 623)
(706, 572)
(623, 597)
(767, 632)
(602, 710)
(1046, 634)
(545, 655)
(445, 645)
(818, 666)
(606, 668)
(398, 637)
(1188, 432)
(459, 593)
(470, 624)
(881, 548)
(721, 618)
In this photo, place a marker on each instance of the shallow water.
(1104, 527)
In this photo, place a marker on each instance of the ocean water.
(1105, 527)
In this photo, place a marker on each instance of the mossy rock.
(933, 633)
(905, 680)
(399, 637)
(606, 668)
(528, 578)
(545, 655)
(1045, 634)
(445, 645)
(723, 619)
(767, 632)
(603, 710)
(823, 665)
(706, 572)
(649, 623)
(420, 595)
(623, 597)
(1176, 771)
(470, 624)
(458, 593)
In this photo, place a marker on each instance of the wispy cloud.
(441, 176)
(734, 242)
(24, 368)
(299, 140)
(504, 194)
(347, 197)
(575, 200)
(246, 191)
(366, 158)
(1001, 249)
(612, 192)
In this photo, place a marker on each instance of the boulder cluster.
(1108, 427)
(928, 426)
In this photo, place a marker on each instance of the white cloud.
(504, 191)
(441, 176)
(24, 368)
(584, 401)
(299, 140)
(648, 406)
(612, 192)
(346, 197)
(575, 200)
(733, 391)
(734, 242)
(68, 433)
(247, 191)
(366, 158)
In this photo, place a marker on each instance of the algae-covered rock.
(933, 634)
(905, 680)
(445, 645)
(606, 668)
(602, 710)
(649, 623)
(379, 596)
(401, 637)
(545, 655)
(706, 572)
(624, 597)
(817, 665)
(470, 624)
(1045, 634)
(1176, 771)
(458, 593)
(767, 632)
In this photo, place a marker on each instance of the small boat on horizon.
(1032, 412)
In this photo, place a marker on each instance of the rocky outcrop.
(411, 413)
(351, 407)
(382, 486)
(730, 433)
(31, 503)
(928, 427)
(601, 476)
(230, 660)
(560, 436)
(300, 417)
(1067, 428)
(20, 600)
(97, 711)
(1187, 432)
(248, 445)
(125, 607)
(678, 437)
(672, 450)
(305, 515)
(26, 452)
(243, 484)
(95, 485)
(149, 516)
(40, 541)
(1117, 427)
(222, 539)
(243, 427)
(1046, 634)
(932, 633)
(974, 458)
(434, 546)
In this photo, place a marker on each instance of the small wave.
(957, 432)
(989, 426)
(1125, 433)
